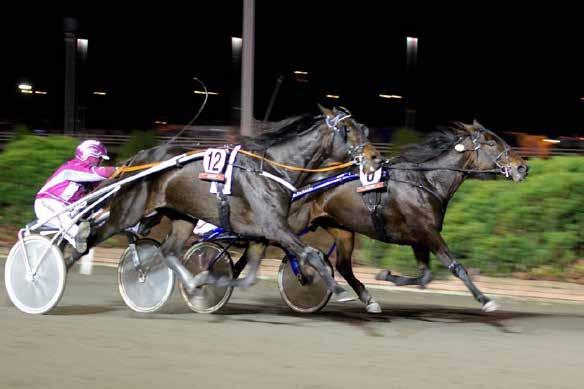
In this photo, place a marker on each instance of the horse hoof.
(382, 275)
(373, 307)
(225, 282)
(490, 306)
(245, 283)
(344, 296)
(191, 288)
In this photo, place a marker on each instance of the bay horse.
(410, 210)
(258, 207)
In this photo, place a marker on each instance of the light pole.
(411, 64)
(247, 81)
(236, 44)
(81, 100)
(70, 29)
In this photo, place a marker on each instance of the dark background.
(512, 69)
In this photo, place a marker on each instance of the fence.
(214, 140)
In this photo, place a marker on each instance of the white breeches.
(45, 208)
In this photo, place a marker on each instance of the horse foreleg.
(440, 249)
(311, 256)
(344, 241)
(276, 229)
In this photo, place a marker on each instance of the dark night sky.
(513, 69)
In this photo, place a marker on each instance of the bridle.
(355, 151)
(503, 169)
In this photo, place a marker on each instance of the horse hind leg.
(96, 236)
(172, 250)
(126, 210)
(253, 257)
(385, 275)
(423, 258)
(397, 280)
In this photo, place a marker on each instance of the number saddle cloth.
(218, 168)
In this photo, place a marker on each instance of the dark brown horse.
(420, 184)
(259, 207)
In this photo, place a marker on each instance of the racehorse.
(258, 206)
(410, 210)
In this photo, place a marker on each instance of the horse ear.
(476, 124)
(340, 110)
(460, 128)
(470, 128)
(325, 111)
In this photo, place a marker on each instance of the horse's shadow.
(356, 316)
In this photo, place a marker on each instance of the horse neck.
(308, 151)
(446, 182)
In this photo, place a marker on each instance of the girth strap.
(223, 208)
(372, 200)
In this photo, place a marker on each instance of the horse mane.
(281, 131)
(435, 144)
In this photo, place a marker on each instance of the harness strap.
(372, 200)
(223, 208)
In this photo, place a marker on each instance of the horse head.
(488, 151)
(350, 138)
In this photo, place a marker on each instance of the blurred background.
(128, 80)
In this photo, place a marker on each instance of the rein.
(425, 169)
(126, 169)
(330, 122)
(297, 168)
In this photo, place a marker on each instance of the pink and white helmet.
(91, 151)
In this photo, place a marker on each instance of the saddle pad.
(370, 181)
(228, 173)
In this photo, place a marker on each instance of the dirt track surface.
(420, 341)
